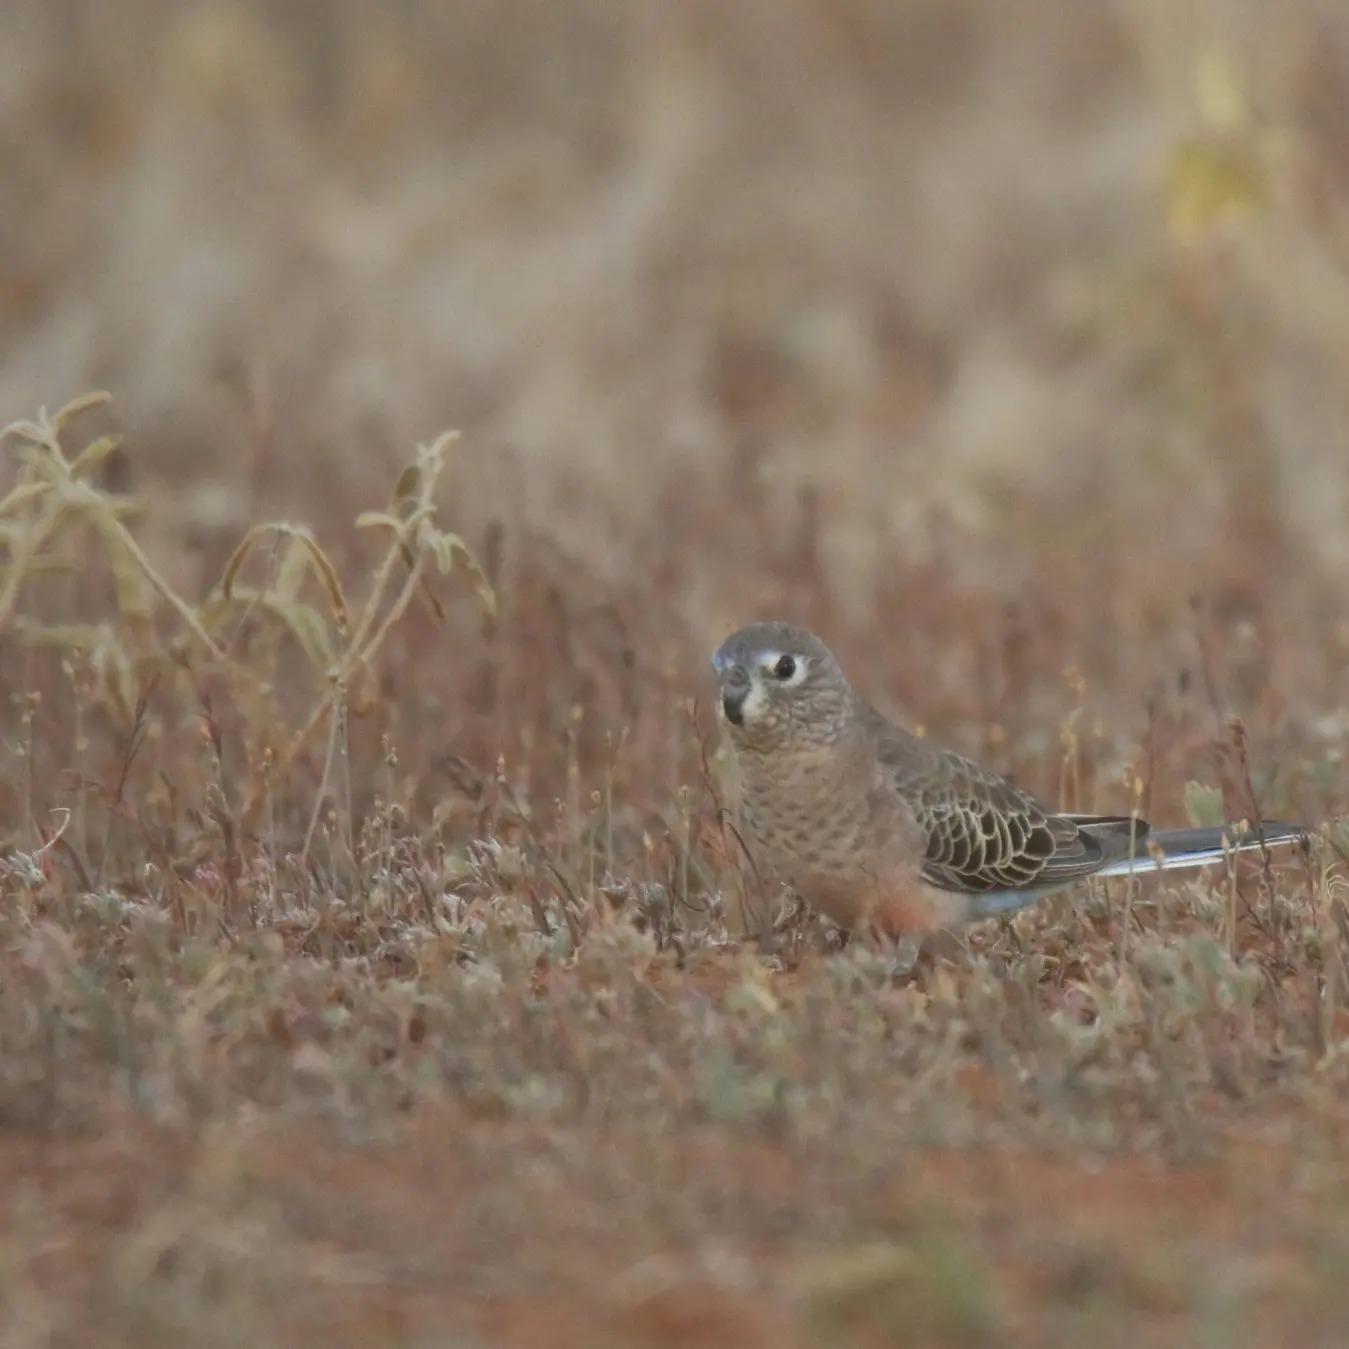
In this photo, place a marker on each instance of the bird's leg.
(790, 923)
(792, 911)
(900, 947)
(1008, 928)
(907, 946)
(905, 950)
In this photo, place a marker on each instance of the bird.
(884, 831)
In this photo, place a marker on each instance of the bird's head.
(780, 688)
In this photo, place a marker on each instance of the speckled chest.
(823, 820)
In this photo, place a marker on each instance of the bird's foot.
(905, 951)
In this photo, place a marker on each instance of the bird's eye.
(785, 668)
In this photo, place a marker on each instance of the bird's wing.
(984, 834)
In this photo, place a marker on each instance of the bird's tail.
(1154, 850)
(1177, 849)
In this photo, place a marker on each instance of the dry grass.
(375, 964)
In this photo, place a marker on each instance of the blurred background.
(990, 339)
(1004, 344)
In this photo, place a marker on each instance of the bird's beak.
(735, 685)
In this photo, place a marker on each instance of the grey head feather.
(750, 645)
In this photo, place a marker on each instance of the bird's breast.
(816, 822)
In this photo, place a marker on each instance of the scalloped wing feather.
(984, 834)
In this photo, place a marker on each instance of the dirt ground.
(377, 964)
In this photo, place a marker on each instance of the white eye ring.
(787, 670)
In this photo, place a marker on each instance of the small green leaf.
(76, 636)
(22, 495)
(39, 566)
(126, 572)
(1209, 184)
(236, 560)
(1218, 93)
(94, 454)
(323, 568)
(292, 571)
(409, 480)
(1204, 805)
(308, 628)
(369, 519)
(76, 407)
